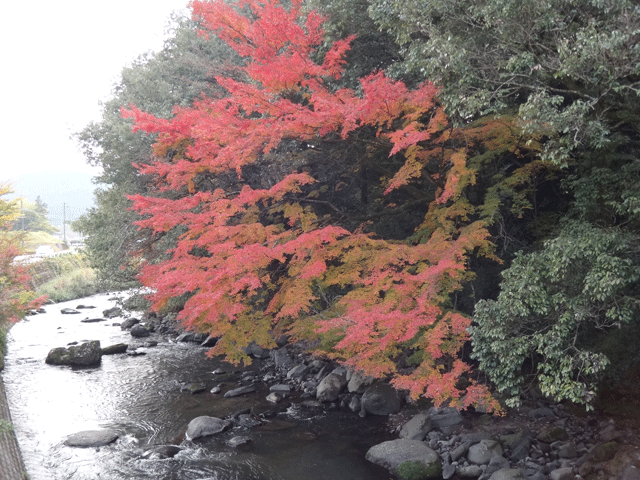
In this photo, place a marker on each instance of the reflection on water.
(139, 397)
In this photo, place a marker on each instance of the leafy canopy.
(263, 246)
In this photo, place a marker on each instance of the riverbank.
(11, 463)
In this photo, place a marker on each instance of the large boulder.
(84, 355)
(330, 387)
(381, 399)
(204, 426)
(91, 438)
(407, 459)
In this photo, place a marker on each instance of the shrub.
(555, 311)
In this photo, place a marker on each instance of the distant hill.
(57, 188)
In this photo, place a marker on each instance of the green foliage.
(552, 307)
(78, 283)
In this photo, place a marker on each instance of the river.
(140, 398)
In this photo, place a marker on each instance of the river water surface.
(140, 398)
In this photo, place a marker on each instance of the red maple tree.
(262, 250)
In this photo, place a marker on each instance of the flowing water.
(140, 398)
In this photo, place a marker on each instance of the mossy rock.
(415, 470)
(604, 452)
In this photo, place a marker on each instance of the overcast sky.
(60, 58)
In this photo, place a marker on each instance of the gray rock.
(330, 387)
(112, 312)
(520, 450)
(568, 450)
(69, 311)
(508, 474)
(256, 351)
(482, 452)
(537, 476)
(91, 438)
(460, 451)
(114, 349)
(205, 426)
(448, 471)
(161, 452)
(139, 331)
(128, 323)
(395, 453)
(238, 441)
(416, 428)
(93, 320)
(83, 355)
(561, 474)
(216, 389)
(281, 358)
(298, 371)
(381, 399)
(552, 433)
(469, 471)
(280, 388)
(185, 337)
(274, 397)
(358, 382)
(236, 392)
(445, 417)
(354, 404)
(630, 473)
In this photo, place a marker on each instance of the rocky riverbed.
(540, 441)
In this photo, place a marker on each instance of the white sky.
(59, 59)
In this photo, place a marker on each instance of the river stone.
(204, 426)
(405, 456)
(238, 441)
(69, 311)
(416, 428)
(281, 358)
(508, 474)
(274, 397)
(381, 399)
(552, 433)
(469, 471)
(83, 355)
(565, 473)
(91, 438)
(81, 306)
(112, 312)
(482, 452)
(236, 392)
(298, 371)
(359, 382)
(330, 387)
(256, 350)
(93, 320)
(445, 417)
(128, 323)
(139, 331)
(113, 349)
(281, 388)
(448, 471)
(161, 452)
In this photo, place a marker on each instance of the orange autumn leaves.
(257, 261)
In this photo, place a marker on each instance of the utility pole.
(64, 222)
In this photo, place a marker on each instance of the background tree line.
(542, 97)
